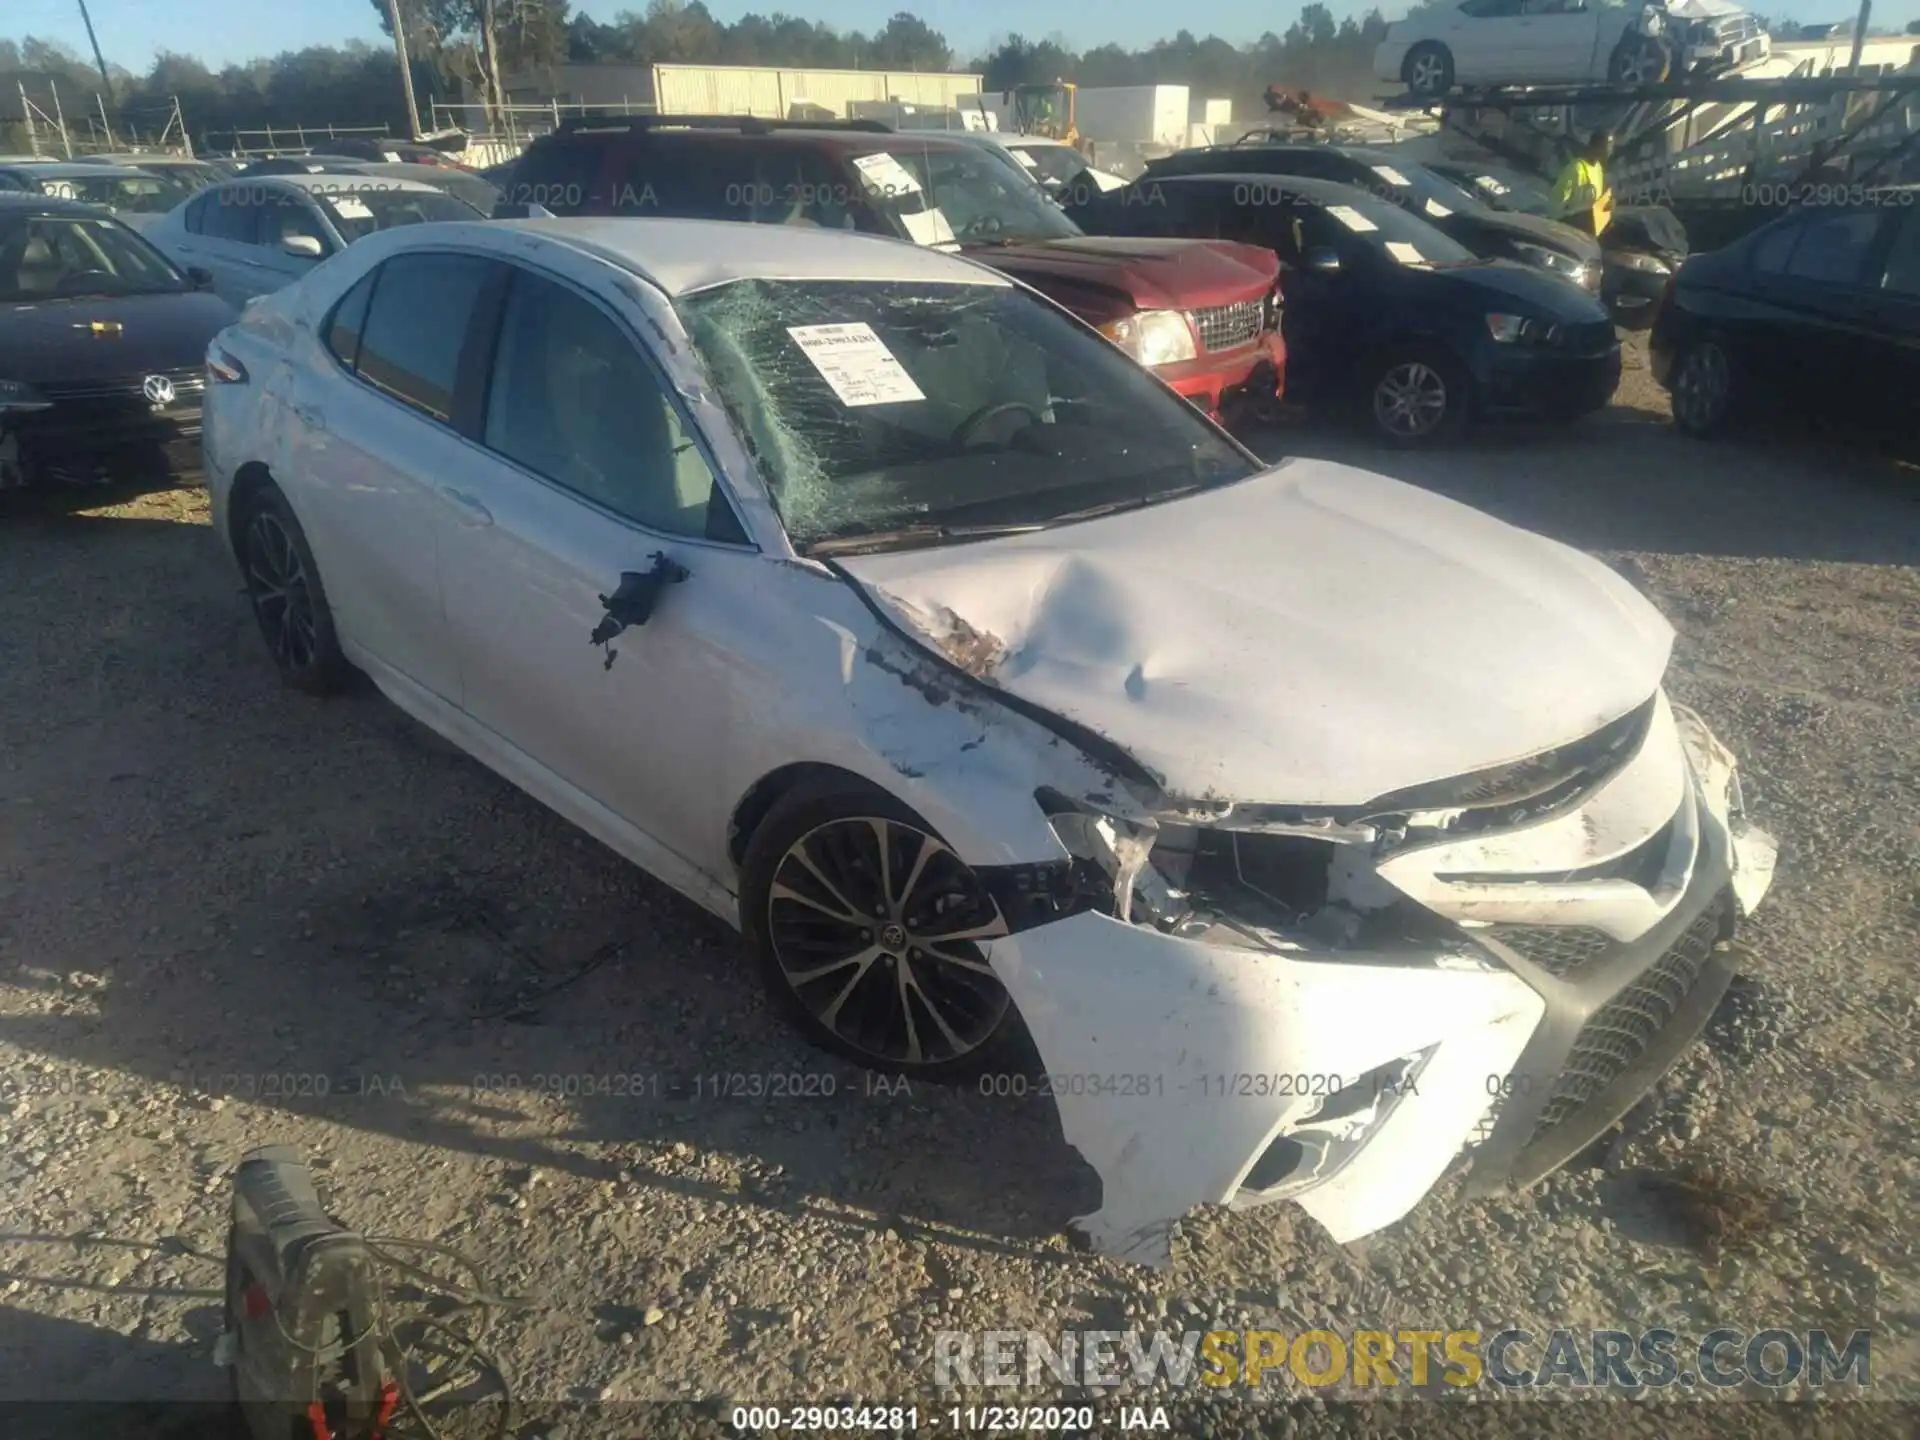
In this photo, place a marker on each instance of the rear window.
(557, 175)
(359, 210)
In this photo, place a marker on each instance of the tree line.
(466, 51)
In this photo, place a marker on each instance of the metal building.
(732, 89)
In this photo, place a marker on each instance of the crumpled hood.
(1153, 274)
(1316, 635)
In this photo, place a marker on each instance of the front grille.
(186, 382)
(1736, 29)
(1223, 327)
(1622, 1029)
(1560, 950)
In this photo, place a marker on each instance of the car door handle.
(472, 512)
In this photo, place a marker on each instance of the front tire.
(289, 602)
(866, 927)
(1413, 397)
(1428, 70)
(1703, 392)
(1639, 60)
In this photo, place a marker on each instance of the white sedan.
(258, 234)
(1494, 42)
(1310, 826)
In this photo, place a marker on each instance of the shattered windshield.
(888, 415)
(948, 195)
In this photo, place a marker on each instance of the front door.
(1892, 375)
(585, 472)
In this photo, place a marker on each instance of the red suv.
(1204, 315)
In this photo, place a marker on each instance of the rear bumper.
(1209, 380)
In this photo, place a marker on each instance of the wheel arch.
(249, 482)
(753, 807)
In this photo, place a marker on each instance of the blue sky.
(219, 31)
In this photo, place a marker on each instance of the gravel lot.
(231, 915)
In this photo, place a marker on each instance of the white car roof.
(339, 183)
(682, 256)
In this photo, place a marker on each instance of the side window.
(284, 217)
(1833, 249)
(350, 319)
(1770, 251)
(799, 188)
(574, 400)
(1902, 274)
(416, 325)
(562, 176)
(682, 179)
(231, 213)
(190, 217)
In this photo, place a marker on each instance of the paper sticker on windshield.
(350, 208)
(1391, 176)
(1437, 210)
(885, 175)
(856, 363)
(1351, 218)
(1491, 185)
(928, 227)
(1406, 254)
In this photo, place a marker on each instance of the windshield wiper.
(884, 539)
(1132, 502)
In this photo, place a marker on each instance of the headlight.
(1154, 337)
(1523, 330)
(18, 398)
(1652, 264)
(1540, 257)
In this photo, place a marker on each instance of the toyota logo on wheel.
(158, 389)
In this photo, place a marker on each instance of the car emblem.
(158, 389)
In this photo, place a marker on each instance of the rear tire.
(1703, 393)
(845, 896)
(289, 602)
(1428, 70)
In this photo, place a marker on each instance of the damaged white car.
(1312, 828)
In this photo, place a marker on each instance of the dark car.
(136, 196)
(1386, 316)
(1204, 317)
(384, 150)
(1817, 312)
(1493, 235)
(103, 346)
(1642, 246)
(193, 175)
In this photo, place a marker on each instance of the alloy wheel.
(281, 592)
(1640, 66)
(1411, 400)
(1701, 388)
(875, 926)
(1424, 78)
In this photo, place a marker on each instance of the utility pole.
(406, 68)
(1860, 35)
(98, 58)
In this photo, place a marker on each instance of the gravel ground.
(231, 915)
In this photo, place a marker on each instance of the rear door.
(1484, 36)
(220, 227)
(1823, 300)
(1892, 378)
(377, 461)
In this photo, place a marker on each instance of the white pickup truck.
(1542, 42)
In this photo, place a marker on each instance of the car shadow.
(1625, 479)
(311, 920)
(88, 1380)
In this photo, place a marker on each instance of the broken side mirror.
(634, 602)
(1322, 260)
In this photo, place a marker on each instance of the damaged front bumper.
(1511, 991)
